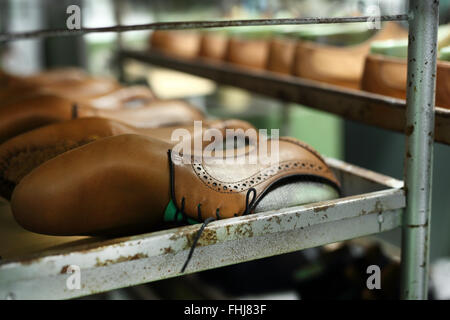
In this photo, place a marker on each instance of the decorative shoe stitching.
(256, 179)
(249, 204)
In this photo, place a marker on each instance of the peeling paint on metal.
(120, 259)
(324, 208)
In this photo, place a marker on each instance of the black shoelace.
(248, 207)
(75, 111)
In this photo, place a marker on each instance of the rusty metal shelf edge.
(159, 255)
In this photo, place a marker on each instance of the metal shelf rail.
(371, 204)
(181, 25)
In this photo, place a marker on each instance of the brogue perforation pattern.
(256, 179)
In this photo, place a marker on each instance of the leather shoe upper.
(34, 112)
(123, 184)
(23, 153)
(71, 87)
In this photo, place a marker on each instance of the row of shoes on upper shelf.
(345, 55)
(82, 155)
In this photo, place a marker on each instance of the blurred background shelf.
(363, 107)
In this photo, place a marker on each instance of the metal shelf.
(372, 203)
(368, 108)
(418, 118)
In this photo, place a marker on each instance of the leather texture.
(21, 154)
(341, 66)
(250, 53)
(388, 76)
(72, 86)
(44, 109)
(122, 184)
(44, 78)
(213, 45)
(184, 44)
(228, 184)
(128, 97)
(281, 55)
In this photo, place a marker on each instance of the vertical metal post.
(118, 11)
(423, 24)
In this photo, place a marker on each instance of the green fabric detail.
(252, 33)
(170, 212)
(444, 54)
(391, 48)
(309, 272)
(399, 47)
(347, 34)
(338, 35)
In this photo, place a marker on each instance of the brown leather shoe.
(342, 66)
(45, 77)
(250, 53)
(213, 45)
(281, 55)
(21, 154)
(28, 114)
(182, 43)
(388, 76)
(127, 97)
(122, 97)
(124, 184)
(71, 87)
